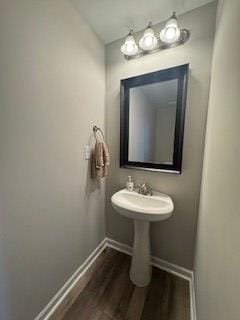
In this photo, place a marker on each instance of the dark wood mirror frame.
(181, 74)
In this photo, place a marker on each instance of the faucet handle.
(150, 191)
(144, 189)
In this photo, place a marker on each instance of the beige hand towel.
(98, 152)
(100, 160)
(106, 157)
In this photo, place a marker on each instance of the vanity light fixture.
(129, 48)
(171, 32)
(148, 40)
(170, 36)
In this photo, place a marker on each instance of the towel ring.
(95, 130)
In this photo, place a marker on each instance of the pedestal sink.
(143, 210)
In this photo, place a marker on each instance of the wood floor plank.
(100, 315)
(113, 294)
(123, 306)
(80, 285)
(137, 303)
(180, 306)
(156, 304)
(85, 305)
(107, 302)
(166, 297)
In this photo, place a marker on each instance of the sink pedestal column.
(141, 269)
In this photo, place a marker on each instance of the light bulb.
(129, 48)
(171, 32)
(148, 40)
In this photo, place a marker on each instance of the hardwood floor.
(109, 294)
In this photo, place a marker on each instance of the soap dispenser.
(130, 184)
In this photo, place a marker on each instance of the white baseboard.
(193, 298)
(63, 292)
(107, 242)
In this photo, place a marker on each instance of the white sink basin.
(143, 210)
(130, 204)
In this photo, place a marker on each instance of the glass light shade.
(148, 40)
(129, 48)
(171, 32)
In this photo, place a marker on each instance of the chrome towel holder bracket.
(95, 130)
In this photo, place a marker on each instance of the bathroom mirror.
(152, 120)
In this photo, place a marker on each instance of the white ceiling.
(112, 19)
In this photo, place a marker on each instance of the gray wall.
(218, 243)
(174, 239)
(52, 216)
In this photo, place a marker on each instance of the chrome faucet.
(145, 190)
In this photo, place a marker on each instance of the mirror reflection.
(152, 119)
